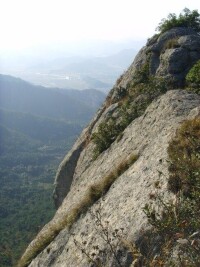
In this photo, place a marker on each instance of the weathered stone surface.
(147, 136)
(66, 169)
(174, 33)
(190, 42)
(65, 173)
(165, 60)
(173, 61)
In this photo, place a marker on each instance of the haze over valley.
(90, 96)
(73, 69)
(38, 126)
(41, 115)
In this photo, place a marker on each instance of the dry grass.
(184, 155)
(180, 219)
(92, 194)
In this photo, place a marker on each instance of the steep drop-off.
(107, 188)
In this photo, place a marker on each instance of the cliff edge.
(121, 162)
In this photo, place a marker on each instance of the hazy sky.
(26, 23)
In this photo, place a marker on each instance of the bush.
(140, 95)
(189, 19)
(105, 135)
(109, 130)
(193, 78)
(184, 153)
(142, 74)
(179, 223)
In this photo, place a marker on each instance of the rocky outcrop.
(73, 231)
(68, 165)
(169, 56)
(148, 136)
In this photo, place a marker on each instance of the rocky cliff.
(121, 162)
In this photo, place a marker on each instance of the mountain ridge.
(138, 120)
(19, 95)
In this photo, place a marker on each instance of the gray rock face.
(164, 61)
(169, 56)
(147, 136)
(66, 169)
(68, 165)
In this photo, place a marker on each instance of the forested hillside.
(69, 105)
(37, 128)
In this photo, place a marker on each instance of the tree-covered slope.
(37, 127)
(22, 96)
(26, 175)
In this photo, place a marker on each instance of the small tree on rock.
(189, 19)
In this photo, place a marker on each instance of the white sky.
(26, 23)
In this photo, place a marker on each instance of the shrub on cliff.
(140, 93)
(179, 224)
(193, 77)
(189, 19)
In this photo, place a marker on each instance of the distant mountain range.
(68, 105)
(75, 72)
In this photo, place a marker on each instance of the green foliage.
(133, 101)
(190, 19)
(142, 74)
(26, 178)
(106, 134)
(27, 170)
(140, 95)
(179, 222)
(193, 78)
(108, 131)
(35, 133)
(69, 105)
(38, 128)
(184, 153)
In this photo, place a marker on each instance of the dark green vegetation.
(179, 223)
(188, 18)
(144, 87)
(69, 105)
(133, 102)
(36, 131)
(193, 77)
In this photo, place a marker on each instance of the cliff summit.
(123, 161)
